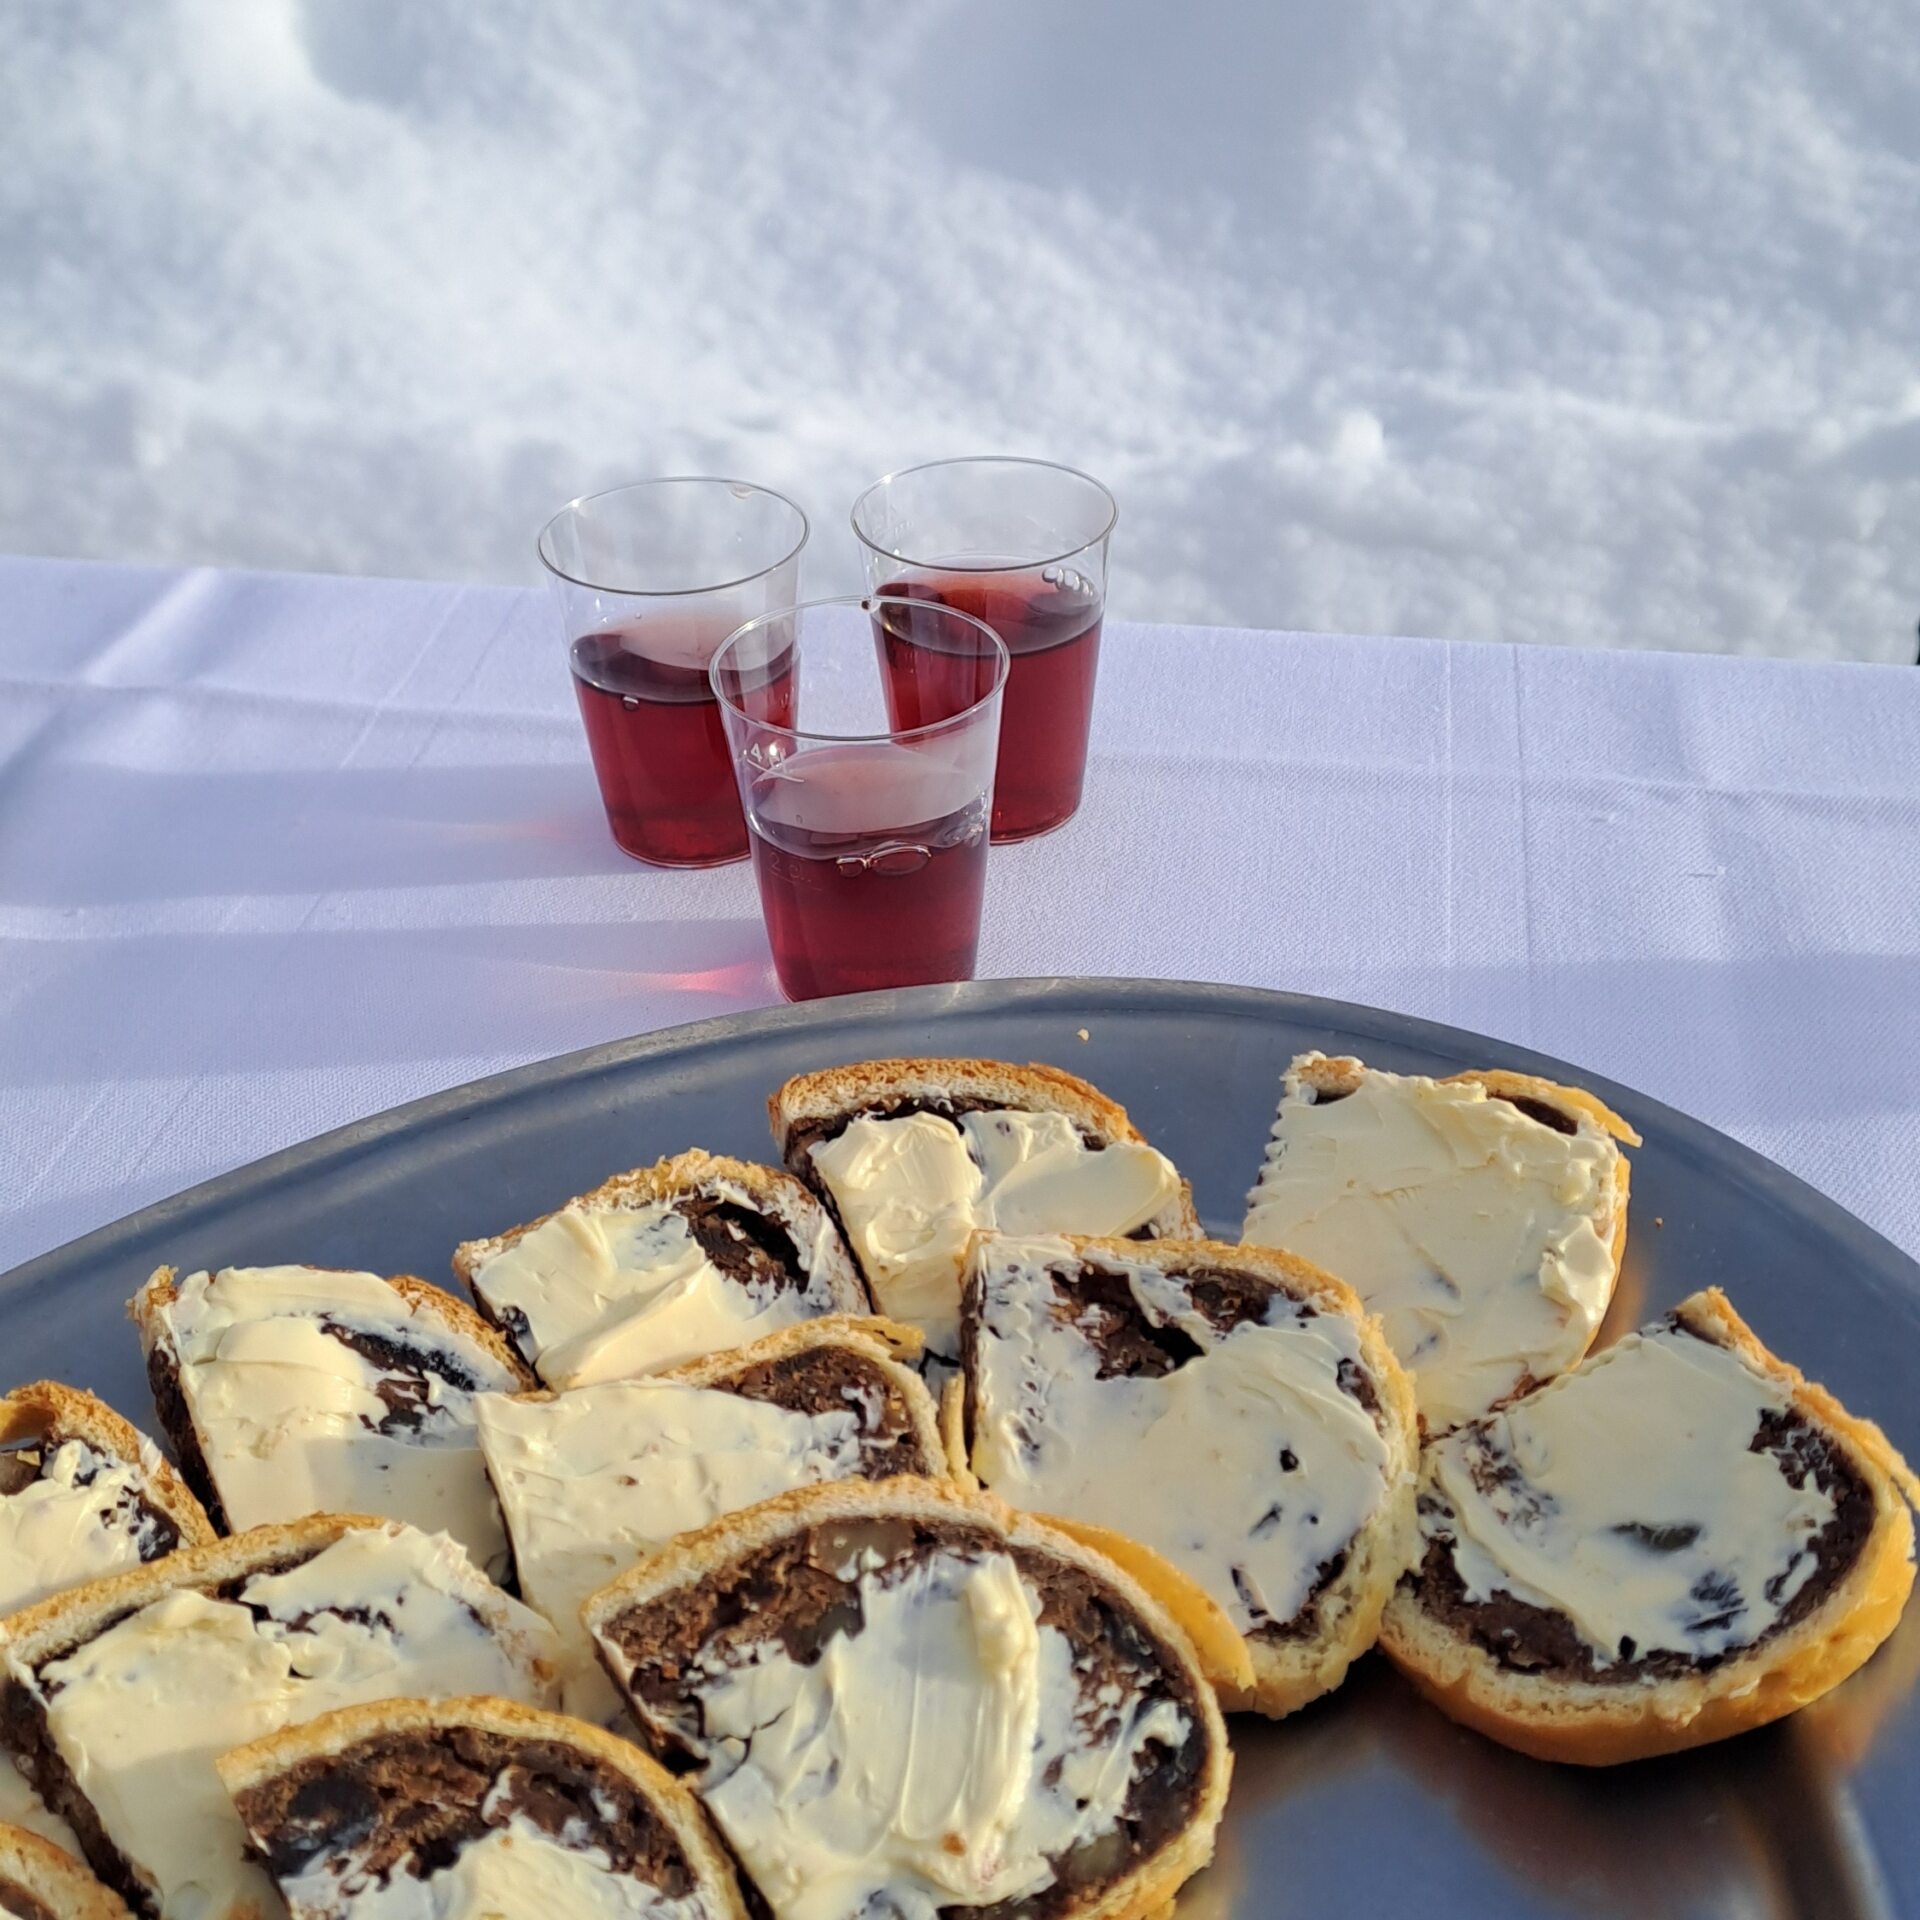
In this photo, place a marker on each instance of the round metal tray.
(1368, 1802)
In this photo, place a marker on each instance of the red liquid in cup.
(854, 901)
(659, 749)
(1052, 631)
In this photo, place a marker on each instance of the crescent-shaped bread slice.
(82, 1495)
(1678, 1540)
(487, 1805)
(987, 1709)
(294, 1390)
(693, 1255)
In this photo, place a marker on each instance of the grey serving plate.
(1367, 1803)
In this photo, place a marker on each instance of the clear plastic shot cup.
(1022, 545)
(649, 579)
(867, 812)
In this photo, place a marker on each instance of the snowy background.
(1559, 321)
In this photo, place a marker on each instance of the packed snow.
(1577, 322)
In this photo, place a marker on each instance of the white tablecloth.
(276, 852)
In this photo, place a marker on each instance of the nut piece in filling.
(902, 1699)
(40, 1882)
(474, 1810)
(296, 1390)
(1679, 1539)
(661, 1265)
(1230, 1408)
(119, 1697)
(82, 1495)
(1482, 1218)
(914, 1156)
(594, 1478)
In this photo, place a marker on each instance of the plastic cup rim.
(985, 460)
(580, 500)
(865, 602)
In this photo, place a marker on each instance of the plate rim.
(1732, 1159)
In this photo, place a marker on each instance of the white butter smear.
(940, 1756)
(80, 1520)
(911, 1191)
(1247, 1465)
(596, 1477)
(140, 1712)
(20, 1806)
(1483, 1238)
(1628, 1497)
(514, 1871)
(288, 1415)
(612, 1292)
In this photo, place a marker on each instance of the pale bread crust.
(1587, 1723)
(691, 1559)
(50, 1413)
(882, 1342)
(1341, 1073)
(68, 1620)
(778, 1195)
(424, 1304)
(335, 1734)
(1289, 1674)
(55, 1878)
(953, 1432)
(1035, 1088)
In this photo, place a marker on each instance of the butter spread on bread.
(1679, 1540)
(903, 1697)
(692, 1256)
(609, 1294)
(138, 1711)
(911, 1191)
(313, 1391)
(1630, 1498)
(84, 1515)
(516, 1868)
(20, 1806)
(1484, 1235)
(82, 1495)
(937, 1757)
(474, 1809)
(1248, 1464)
